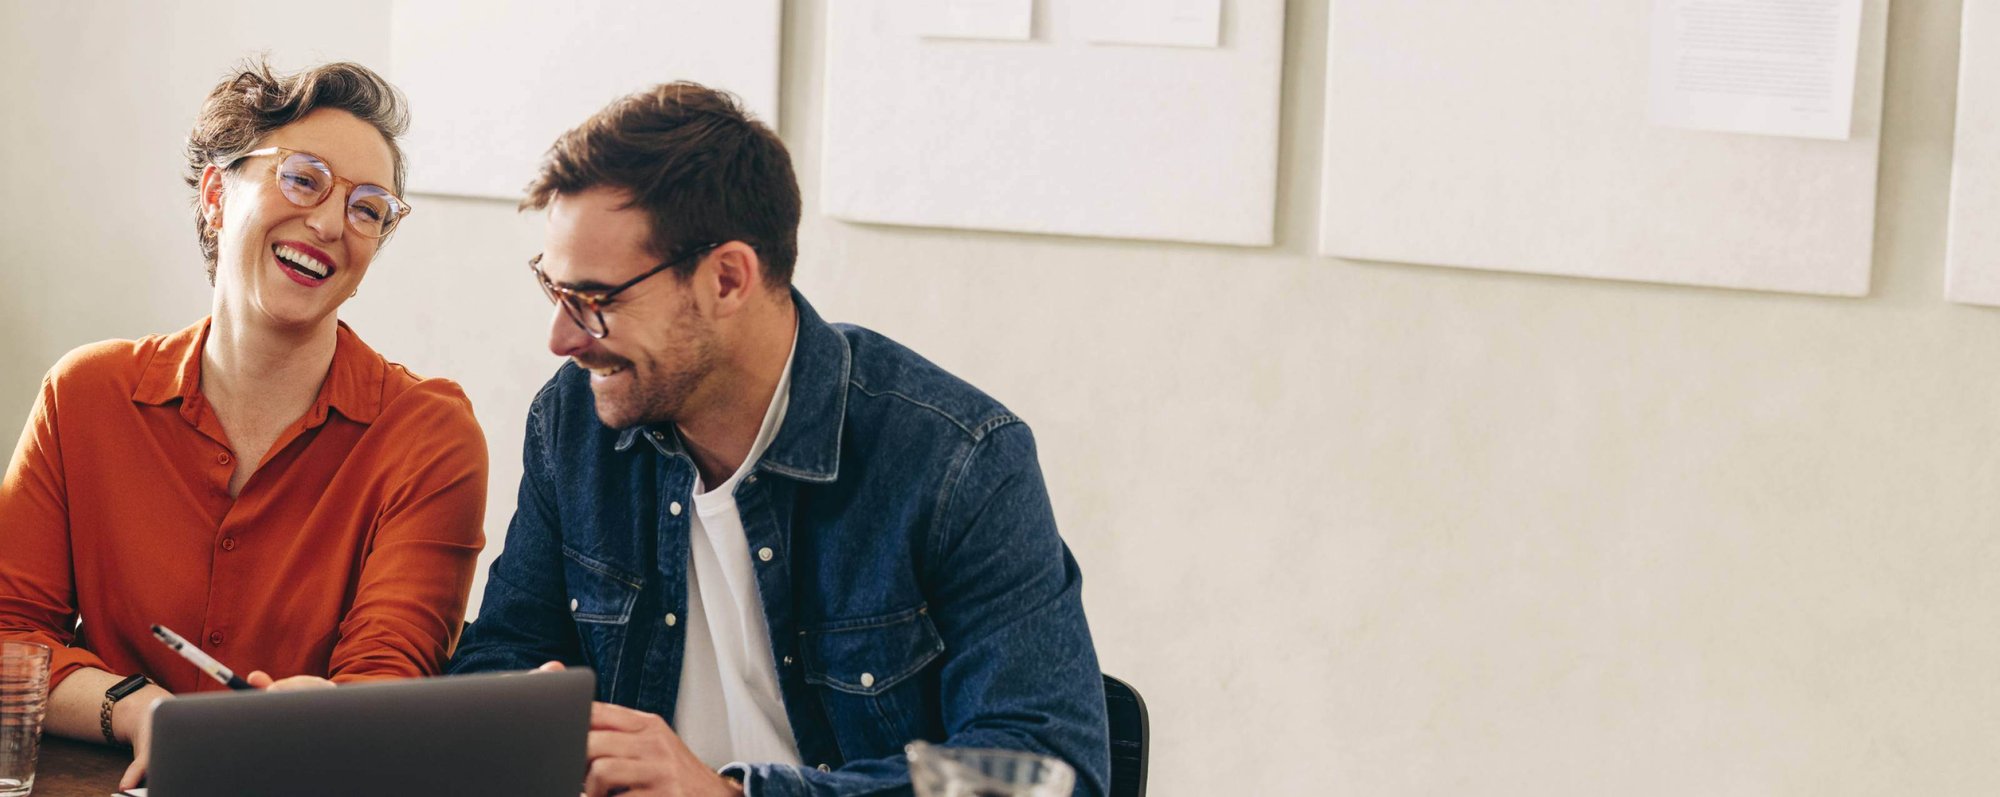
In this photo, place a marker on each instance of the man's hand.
(634, 753)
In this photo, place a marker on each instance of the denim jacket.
(915, 586)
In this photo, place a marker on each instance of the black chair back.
(1127, 712)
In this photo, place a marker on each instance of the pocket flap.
(597, 592)
(872, 654)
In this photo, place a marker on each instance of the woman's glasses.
(306, 181)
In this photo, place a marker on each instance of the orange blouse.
(348, 554)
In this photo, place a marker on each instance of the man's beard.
(653, 394)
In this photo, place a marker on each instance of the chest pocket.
(872, 679)
(601, 598)
(598, 593)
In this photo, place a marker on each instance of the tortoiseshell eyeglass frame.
(586, 307)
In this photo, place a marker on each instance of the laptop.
(516, 734)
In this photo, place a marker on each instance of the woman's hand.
(263, 680)
(132, 720)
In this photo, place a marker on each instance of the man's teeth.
(301, 260)
(604, 372)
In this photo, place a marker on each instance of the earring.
(353, 293)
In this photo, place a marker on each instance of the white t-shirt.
(730, 709)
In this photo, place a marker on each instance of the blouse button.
(215, 637)
(229, 543)
(222, 458)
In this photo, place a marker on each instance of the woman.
(261, 482)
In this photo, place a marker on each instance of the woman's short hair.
(254, 101)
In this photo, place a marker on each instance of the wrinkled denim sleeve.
(1019, 670)
(524, 619)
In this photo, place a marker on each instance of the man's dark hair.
(700, 167)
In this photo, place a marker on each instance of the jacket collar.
(353, 385)
(807, 447)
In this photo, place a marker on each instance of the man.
(788, 548)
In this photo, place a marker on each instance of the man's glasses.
(586, 308)
(306, 181)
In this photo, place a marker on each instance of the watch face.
(126, 687)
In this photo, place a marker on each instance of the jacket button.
(675, 508)
(764, 554)
(229, 543)
(572, 604)
(788, 661)
(672, 620)
(750, 479)
(867, 679)
(825, 768)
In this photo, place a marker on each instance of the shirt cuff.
(766, 780)
(739, 772)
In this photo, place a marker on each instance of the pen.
(207, 663)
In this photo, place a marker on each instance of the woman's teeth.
(300, 261)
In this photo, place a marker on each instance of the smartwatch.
(117, 692)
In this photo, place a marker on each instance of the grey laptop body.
(514, 734)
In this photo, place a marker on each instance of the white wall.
(1353, 528)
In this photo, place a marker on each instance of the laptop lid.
(517, 734)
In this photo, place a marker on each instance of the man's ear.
(739, 273)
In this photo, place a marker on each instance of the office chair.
(1127, 713)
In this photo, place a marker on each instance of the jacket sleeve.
(524, 619)
(1019, 669)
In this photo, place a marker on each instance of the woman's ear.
(211, 196)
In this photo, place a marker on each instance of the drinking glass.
(24, 696)
(967, 772)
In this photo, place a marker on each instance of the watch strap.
(117, 692)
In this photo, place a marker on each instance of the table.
(78, 769)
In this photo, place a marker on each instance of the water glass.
(24, 696)
(965, 772)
